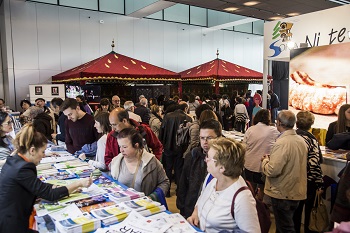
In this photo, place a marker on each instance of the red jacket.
(112, 147)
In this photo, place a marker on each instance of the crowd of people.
(138, 144)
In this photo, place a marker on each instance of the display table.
(233, 135)
(333, 162)
(105, 203)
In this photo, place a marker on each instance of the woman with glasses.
(19, 185)
(6, 146)
(137, 168)
(212, 213)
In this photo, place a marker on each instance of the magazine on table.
(85, 223)
(177, 221)
(111, 214)
(141, 204)
(137, 223)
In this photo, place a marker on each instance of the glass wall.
(178, 13)
(113, 6)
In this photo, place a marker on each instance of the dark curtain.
(280, 74)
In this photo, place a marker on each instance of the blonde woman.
(19, 185)
(156, 119)
(212, 213)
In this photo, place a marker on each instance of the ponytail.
(29, 137)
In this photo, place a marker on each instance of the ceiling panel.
(265, 9)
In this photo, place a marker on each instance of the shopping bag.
(319, 217)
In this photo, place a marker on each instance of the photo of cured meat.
(306, 94)
(318, 76)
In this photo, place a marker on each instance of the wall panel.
(24, 35)
(69, 38)
(156, 43)
(141, 47)
(89, 35)
(48, 37)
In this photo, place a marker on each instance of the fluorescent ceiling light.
(276, 18)
(251, 3)
(293, 14)
(342, 2)
(231, 9)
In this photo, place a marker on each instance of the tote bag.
(319, 217)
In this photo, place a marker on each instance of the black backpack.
(183, 135)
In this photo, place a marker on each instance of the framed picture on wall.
(54, 91)
(38, 90)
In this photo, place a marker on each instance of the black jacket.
(19, 187)
(42, 124)
(169, 127)
(192, 178)
(61, 123)
(144, 113)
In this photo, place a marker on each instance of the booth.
(317, 47)
(117, 73)
(221, 74)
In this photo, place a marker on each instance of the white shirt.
(100, 154)
(214, 208)
(134, 116)
(259, 139)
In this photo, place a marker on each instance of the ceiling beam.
(151, 9)
(234, 23)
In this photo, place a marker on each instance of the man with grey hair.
(41, 120)
(285, 170)
(143, 111)
(129, 107)
(115, 102)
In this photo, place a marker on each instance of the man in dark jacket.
(275, 104)
(173, 157)
(61, 120)
(195, 169)
(143, 111)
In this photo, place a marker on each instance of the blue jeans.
(284, 211)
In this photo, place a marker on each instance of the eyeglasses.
(114, 125)
(207, 159)
(206, 138)
(116, 100)
(8, 123)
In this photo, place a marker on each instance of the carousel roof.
(116, 67)
(222, 71)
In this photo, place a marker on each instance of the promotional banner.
(325, 27)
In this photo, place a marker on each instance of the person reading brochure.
(137, 168)
(19, 185)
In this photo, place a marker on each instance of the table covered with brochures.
(106, 206)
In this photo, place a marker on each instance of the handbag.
(241, 117)
(319, 217)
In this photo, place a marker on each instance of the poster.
(318, 76)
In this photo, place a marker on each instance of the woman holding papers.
(137, 168)
(19, 185)
(212, 213)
